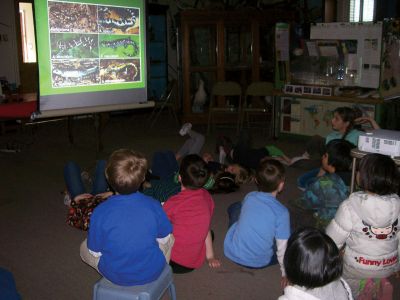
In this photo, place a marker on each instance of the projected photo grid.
(93, 44)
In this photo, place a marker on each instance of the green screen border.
(43, 49)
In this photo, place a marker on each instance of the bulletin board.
(367, 59)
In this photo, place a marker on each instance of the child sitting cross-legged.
(324, 193)
(122, 242)
(260, 225)
(313, 267)
(190, 212)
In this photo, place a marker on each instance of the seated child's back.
(263, 221)
(367, 223)
(124, 228)
(190, 212)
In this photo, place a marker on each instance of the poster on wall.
(96, 47)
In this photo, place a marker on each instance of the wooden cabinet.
(224, 45)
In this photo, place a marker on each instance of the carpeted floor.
(42, 251)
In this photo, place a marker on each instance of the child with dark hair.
(190, 213)
(344, 123)
(313, 267)
(244, 154)
(165, 167)
(324, 194)
(367, 223)
(122, 241)
(260, 225)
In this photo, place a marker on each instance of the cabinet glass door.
(238, 45)
(238, 53)
(267, 60)
(203, 43)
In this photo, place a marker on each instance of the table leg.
(97, 126)
(70, 129)
(353, 174)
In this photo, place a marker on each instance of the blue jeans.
(74, 183)
(8, 289)
(164, 164)
(272, 262)
(234, 212)
(304, 179)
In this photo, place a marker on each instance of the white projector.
(380, 141)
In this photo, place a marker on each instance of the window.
(362, 10)
(27, 33)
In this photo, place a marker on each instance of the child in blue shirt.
(122, 240)
(260, 225)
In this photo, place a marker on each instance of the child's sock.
(297, 158)
(67, 198)
(185, 129)
(282, 160)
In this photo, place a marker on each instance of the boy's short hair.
(339, 156)
(378, 174)
(312, 258)
(269, 174)
(193, 171)
(125, 171)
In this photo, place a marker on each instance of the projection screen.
(91, 53)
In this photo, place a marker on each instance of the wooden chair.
(229, 90)
(261, 110)
(166, 101)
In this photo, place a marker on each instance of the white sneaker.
(222, 155)
(301, 188)
(185, 129)
(67, 199)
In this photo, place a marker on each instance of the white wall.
(8, 43)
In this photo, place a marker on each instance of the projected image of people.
(118, 20)
(75, 72)
(119, 70)
(72, 17)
